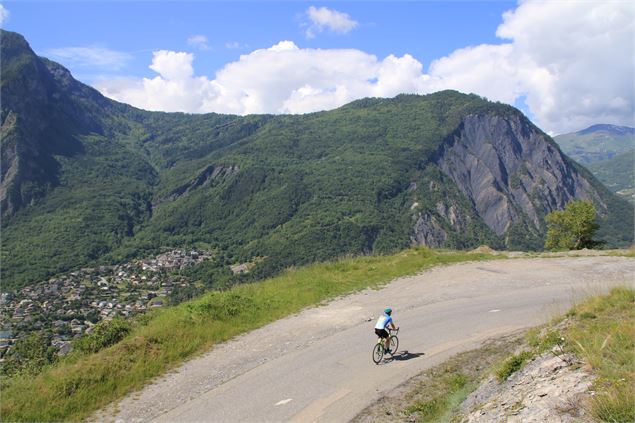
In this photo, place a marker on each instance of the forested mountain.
(608, 151)
(87, 180)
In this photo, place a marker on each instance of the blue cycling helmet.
(388, 310)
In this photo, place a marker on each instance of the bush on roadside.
(512, 365)
(104, 334)
(29, 355)
(222, 305)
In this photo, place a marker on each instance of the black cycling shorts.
(382, 333)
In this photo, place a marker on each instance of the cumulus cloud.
(281, 79)
(90, 57)
(174, 89)
(575, 61)
(324, 18)
(4, 15)
(198, 41)
(571, 62)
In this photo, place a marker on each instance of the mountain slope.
(89, 180)
(609, 153)
(617, 173)
(597, 142)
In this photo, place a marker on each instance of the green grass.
(164, 338)
(455, 388)
(603, 335)
(512, 364)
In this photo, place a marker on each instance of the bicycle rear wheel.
(378, 353)
(394, 344)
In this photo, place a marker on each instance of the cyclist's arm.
(392, 325)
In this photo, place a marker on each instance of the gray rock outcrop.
(548, 389)
(509, 171)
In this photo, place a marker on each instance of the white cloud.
(172, 65)
(198, 41)
(90, 57)
(570, 61)
(577, 61)
(280, 79)
(174, 89)
(323, 18)
(4, 14)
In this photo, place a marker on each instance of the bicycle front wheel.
(378, 353)
(394, 344)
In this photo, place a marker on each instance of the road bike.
(379, 350)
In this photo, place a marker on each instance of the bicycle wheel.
(378, 353)
(394, 344)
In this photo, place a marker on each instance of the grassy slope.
(603, 335)
(82, 383)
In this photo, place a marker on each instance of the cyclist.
(380, 327)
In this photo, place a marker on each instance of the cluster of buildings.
(70, 305)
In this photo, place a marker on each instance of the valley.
(90, 182)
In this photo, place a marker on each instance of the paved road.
(316, 365)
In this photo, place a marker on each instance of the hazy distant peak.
(613, 129)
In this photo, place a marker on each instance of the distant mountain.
(609, 153)
(617, 173)
(597, 143)
(87, 180)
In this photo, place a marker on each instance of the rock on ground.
(548, 389)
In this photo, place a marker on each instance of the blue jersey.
(383, 321)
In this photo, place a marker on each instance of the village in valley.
(71, 304)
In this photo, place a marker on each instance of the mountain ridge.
(615, 129)
(373, 176)
(609, 153)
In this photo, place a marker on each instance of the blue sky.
(296, 57)
(426, 30)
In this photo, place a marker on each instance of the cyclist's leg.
(386, 336)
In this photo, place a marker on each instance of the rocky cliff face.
(44, 111)
(30, 127)
(509, 171)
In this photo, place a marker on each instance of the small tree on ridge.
(572, 228)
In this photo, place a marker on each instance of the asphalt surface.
(317, 366)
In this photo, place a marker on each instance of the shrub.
(29, 355)
(105, 334)
(222, 305)
(571, 228)
(512, 365)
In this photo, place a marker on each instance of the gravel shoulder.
(436, 309)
